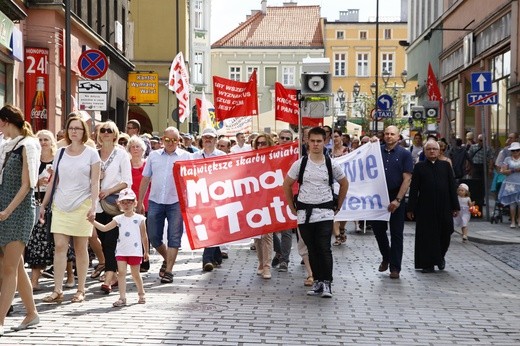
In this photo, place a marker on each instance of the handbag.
(48, 209)
(109, 205)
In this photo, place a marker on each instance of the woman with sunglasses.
(76, 167)
(339, 150)
(264, 243)
(509, 193)
(116, 174)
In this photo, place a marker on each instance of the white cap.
(209, 131)
(464, 186)
(127, 193)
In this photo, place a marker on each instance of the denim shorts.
(157, 214)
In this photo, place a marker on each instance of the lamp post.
(341, 99)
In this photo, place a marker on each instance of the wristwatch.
(398, 200)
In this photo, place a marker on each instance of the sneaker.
(326, 290)
(276, 261)
(49, 273)
(266, 274)
(282, 267)
(208, 267)
(317, 288)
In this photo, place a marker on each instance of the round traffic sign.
(93, 64)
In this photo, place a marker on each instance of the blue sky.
(228, 14)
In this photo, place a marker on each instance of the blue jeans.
(283, 247)
(317, 238)
(393, 253)
(212, 255)
(157, 213)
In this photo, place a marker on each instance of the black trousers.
(316, 237)
(108, 242)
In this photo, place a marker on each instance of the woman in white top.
(73, 205)
(116, 174)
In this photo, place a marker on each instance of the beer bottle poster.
(37, 87)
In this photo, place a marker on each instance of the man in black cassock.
(432, 203)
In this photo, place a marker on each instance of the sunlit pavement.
(475, 300)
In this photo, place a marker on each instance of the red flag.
(235, 99)
(179, 82)
(287, 107)
(434, 94)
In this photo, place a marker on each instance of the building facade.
(160, 31)
(459, 39)
(356, 66)
(274, 49)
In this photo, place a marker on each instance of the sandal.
(119, 303)
(167, 278)
(54, 297)
(100, 268)
(309, 281)
(106, 288)
(142, 299)
(338, 241)
(163, 269)
(78, 297)
(342, 235)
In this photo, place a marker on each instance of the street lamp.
(356, 89)
(386, 77)
(341, 99)
(373, 88)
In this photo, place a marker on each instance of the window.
(197, 15)
(288, 73)
(340, 63)
(363, 35)
(250, 70)
(235, 73)
(387, 63)
(270, 76)
(362, 65)
(340, 35)
(388, 34)
(198, 68)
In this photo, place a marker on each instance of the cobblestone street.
(476, 300)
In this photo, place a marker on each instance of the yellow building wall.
(156, 42)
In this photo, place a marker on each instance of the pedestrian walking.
(398, 165)
(315, 207)
(131, 241)
(464, 216)
(19, 159)
(509, 193)
(433, 203)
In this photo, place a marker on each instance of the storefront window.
(452, 105)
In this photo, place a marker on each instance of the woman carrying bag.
(76, 168)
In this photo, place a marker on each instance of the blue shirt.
(396, 162)
(159, 168)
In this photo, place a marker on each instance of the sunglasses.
(286, 138)
(516, 150)
(105, 130)
(168, 140)
(261, 144)
(123, 142)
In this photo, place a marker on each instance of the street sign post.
(481, 82)
(93, 64)
(92, 95)
(385, 102)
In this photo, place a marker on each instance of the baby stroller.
(499, 210)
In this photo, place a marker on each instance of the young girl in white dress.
(130, 244)
(465, 202)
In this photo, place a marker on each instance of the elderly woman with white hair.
(136, 147)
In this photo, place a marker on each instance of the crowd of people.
(112, 194)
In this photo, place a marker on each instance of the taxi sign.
(482, 99)
(143, 87)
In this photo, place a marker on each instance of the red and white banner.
(206, 112)
(36, 77)
(179, 83)
(235, 99)
(434, 93)
(287, 107)
(238, 196)
(232, 197)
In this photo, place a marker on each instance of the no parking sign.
(93, 64)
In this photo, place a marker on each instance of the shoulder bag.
(48, 208)
(109, 203)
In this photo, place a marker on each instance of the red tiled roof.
(286, 26)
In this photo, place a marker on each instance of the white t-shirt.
(129, 242)
(118, 171)
(315, 188)
(74, 178)
(236, 149)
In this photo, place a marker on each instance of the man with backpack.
(315, 206)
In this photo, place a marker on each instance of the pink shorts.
(131, 260)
